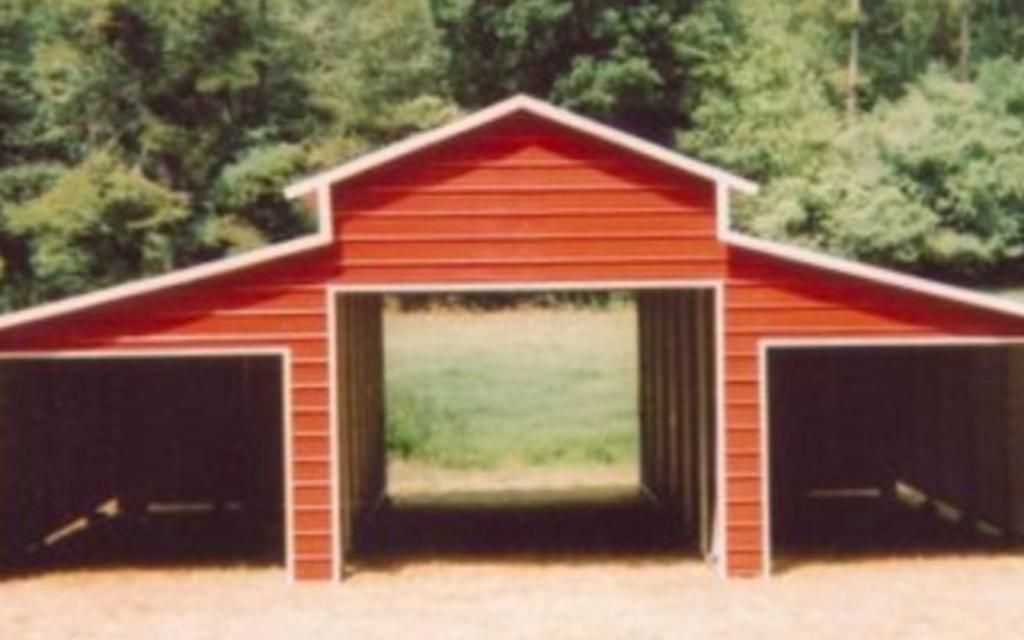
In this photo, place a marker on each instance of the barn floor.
(592, 521)
(162, 540)
(941, 597)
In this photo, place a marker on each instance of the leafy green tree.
(380, 72)
(17, 98)
(612, 60)
(930, 184)
(764, 107)
(101, 223)
(216, 104)
(178, 92)
(201, 110)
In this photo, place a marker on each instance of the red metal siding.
(261, 308)
(518, 201)
(525, 201)
(766, 298)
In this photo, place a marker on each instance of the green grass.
(1015, 293)
(481, 390)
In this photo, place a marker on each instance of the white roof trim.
(863, 271)
(495, 112)
(323, 237)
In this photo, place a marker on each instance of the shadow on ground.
(530, 526)
(163, 541)
(869, 531)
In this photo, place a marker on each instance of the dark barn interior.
(141, 460)
(896, 449)
(671, 508)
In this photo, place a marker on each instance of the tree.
(764, 108)
(853, 18)
(380, 72)
(201, 110)
(178, 92)
(100, 223)
(212, 105)
(613, 62)
(931, 183)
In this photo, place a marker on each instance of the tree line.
(139, 136)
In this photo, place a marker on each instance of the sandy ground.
(936, 598)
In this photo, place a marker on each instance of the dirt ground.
(936, 598)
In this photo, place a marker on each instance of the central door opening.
(511, 393)
(567, 421)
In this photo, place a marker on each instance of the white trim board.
(334, 438)
(525, 286)
(142, 353)
(287, 428)
(840, 342)
(720, 539)
(498, 111)
(861, 271)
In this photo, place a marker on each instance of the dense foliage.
(138, 136)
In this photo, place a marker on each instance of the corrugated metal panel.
(769, 299)
(525, 201)
(676, 340)
(360, 410)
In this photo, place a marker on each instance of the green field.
(534, 388)
(1015, 293)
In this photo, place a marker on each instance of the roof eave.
(859, 270)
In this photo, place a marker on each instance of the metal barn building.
(769, 374)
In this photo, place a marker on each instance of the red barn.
(770, 375)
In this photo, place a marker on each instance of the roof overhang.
(861, 271)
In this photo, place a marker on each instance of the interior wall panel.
(360, 412)
(1015, 436)
(677, 396)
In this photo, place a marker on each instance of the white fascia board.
(808, 257)
(495, 112)
(322, 237)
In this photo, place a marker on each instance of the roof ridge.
(518, 103)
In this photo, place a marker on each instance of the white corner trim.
(792, 253)
(398, 288)
(723, 211)
(720, 542)
(764, 397)
(337, 546)
(495, 112)
(908, 342)
(321, 238)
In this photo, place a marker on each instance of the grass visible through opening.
(519, 398)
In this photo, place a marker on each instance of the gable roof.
(318, 186)
(499, 111)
